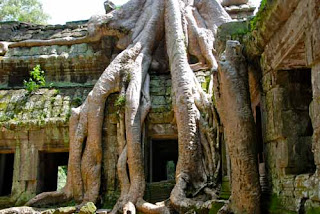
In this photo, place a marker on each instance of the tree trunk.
(233, 103)
(143, 27)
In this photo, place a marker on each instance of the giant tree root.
(184, 27)
(233, 102)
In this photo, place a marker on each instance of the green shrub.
(36, 80)
(121, 101)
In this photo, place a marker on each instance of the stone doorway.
(292, 123)
(49, 166)
(6, 173)
(163, 160)
(300, 97)
(163, 157)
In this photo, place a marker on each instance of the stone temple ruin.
(282, 49)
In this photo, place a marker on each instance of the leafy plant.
(121, 101)
(36, 80)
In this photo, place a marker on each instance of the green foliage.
(313, 210)
(110, 199)
(205, 85)
(121, 101)
(275, 206)
(76, 102)
(36, 80)
(215, 207)
(259, 16)
(23, 11)
(62, 176)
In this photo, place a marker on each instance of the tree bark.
(233, 103)
(144, 27)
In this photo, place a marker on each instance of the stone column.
(315, 113)
(25, 170)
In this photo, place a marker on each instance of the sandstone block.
(65, 210)
(88, 208)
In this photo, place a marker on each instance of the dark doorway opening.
(260, 151)
(259, 135)
(163, 157)
(295, 116)
(49, 166)
(6, 173)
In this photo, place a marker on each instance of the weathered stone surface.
(163, 131)
(285, 49)
(49, 211)
(18, 31)
(286, 37)
(109, 6)
(65, 210)
(88, 208)
(233, 2)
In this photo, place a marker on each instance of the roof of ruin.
(19, 31)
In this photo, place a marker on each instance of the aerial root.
(48, 198)
(149, 208)
(129, 208)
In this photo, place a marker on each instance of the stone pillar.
(315, 113)
(25, 171)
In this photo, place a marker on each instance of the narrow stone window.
(6, 173)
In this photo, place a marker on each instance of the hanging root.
(85, 125)
(158, 208)
(48, 198)
(199, 161)
(129, 208)
(140, 26)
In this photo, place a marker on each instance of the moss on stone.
(76, 101)
(5, 202)
(110, 199)
(68, 85)
(65, 210)
(206, 83)
(24, 198)
(88, 208)
(120, 101)
(313, 210)
(48, 211)
(215, 207)
(225, 189)
(260, 15)
(275, 206)
(231, 31)
(19, 109)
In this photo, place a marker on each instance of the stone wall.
(37, 123)
(283, 65)
(13, 31)
(288, 101)
(31, 124)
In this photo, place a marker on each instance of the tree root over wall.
(146, 29)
